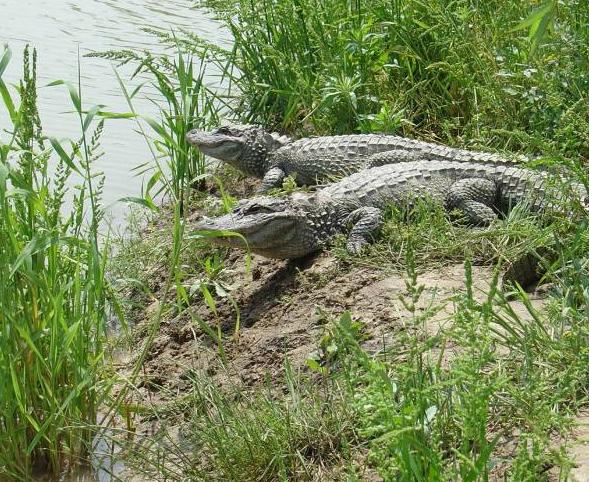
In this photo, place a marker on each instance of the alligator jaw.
(217, 145)
(278, 234)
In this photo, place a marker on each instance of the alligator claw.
(356, 246)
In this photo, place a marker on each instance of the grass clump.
(483, 398)
(439, 238)
(184, 103)
(300, 433)
(293, 437)
(53, 291)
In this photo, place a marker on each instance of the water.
(58, 28)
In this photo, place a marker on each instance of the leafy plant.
(538, 23)
(189, 104)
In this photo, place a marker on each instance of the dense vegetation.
(498, 74)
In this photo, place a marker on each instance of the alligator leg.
(272, 179)
(365, 221)
(475, 197)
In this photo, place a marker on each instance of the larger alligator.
(317, 160)
(301, 223)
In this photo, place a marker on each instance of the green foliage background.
(511, 75)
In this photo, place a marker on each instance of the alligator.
(303, 222)
(318, 160)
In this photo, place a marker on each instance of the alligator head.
(273, 227)
(245, 147)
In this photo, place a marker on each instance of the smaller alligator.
(317, 160)
(301, 223)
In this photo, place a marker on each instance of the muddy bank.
(283, 309)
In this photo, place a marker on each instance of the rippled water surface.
(57, 28)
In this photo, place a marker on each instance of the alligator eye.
(223, 130)
(257, 209)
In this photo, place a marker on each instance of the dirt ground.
(284, 307)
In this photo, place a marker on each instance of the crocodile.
(318, 160)
(303, 222)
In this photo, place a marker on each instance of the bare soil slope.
(284, 307)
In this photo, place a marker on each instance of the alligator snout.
(212, 224)
(198, 138)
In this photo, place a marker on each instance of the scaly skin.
(299, 224)
(318, 160)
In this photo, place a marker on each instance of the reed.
(53, 292)
(184, 103)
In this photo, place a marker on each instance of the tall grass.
(178, 173)
(178, 169)
(464, 71)
(53, 293)
(444, 404)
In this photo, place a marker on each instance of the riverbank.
(468, 386)
(410, 361)
(293, 388)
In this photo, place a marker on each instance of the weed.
(239, 436)
(514, 371)
(53, 290)
(188, 105)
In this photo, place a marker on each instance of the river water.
(58, 28)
